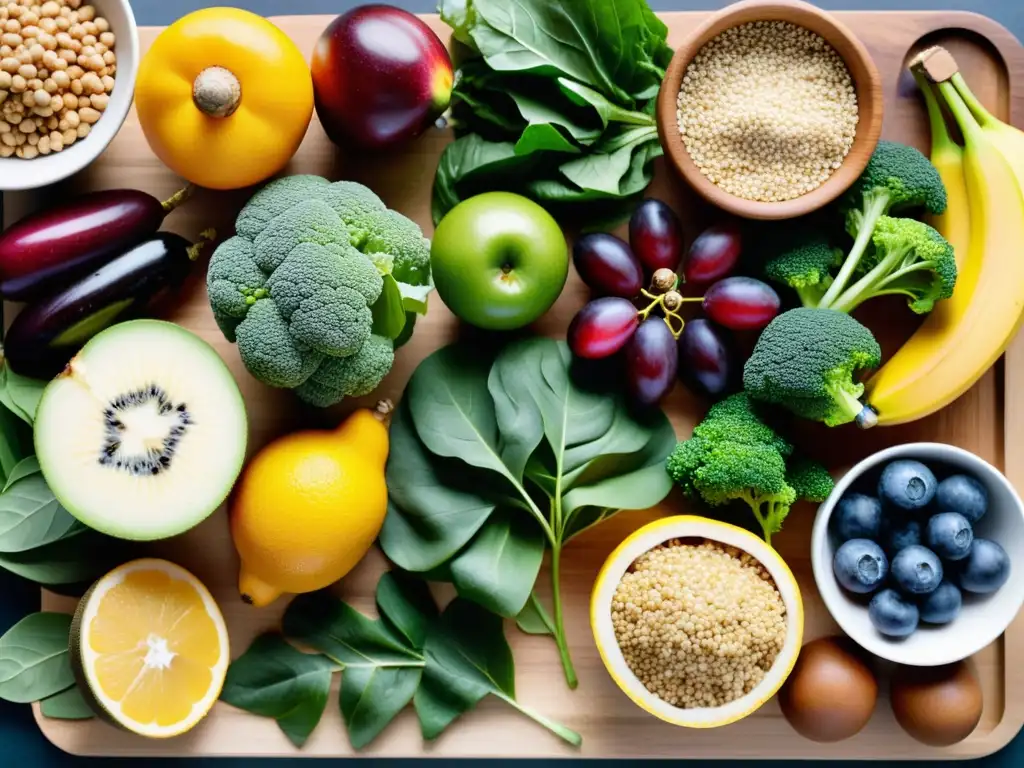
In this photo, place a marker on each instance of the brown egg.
(938, 706)
(831, 692)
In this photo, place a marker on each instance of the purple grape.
(656, 235)
(713, 255)
(652, 358)
(741, 303)
(602, 327)
(706, 358)
(608, 266)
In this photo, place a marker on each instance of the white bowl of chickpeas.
(697, 621)
(67, 79)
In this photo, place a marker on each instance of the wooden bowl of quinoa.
(770, 109)
(697, 621)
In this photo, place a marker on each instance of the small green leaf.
(534, 618)
(414, 297)
(345, 635)
(11, 451)
(406, 604)
(30, 515)
(371, 697)
(544, 137)
(274, 679)
(500, 565)
(388, 312)
(67, 705)
(20, 394)
(83, 557)
(34, 661)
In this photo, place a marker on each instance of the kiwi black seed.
(153, 461)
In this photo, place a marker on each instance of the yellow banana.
(965, 335)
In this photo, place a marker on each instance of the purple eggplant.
(52, 248)
(46, 335)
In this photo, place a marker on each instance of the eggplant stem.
(206, 236)
(178, 198)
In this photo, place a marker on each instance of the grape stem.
(672, 318)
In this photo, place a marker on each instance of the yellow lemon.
(149, 648)
(309, 506)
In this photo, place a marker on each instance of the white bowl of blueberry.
(914, 550)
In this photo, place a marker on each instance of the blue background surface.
(22, 744)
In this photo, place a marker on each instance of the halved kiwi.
(143, 434)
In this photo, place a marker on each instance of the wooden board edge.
(1011, 51)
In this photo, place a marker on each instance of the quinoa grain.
(699, 625)
(767, 110)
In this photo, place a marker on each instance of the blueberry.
(908, 485)
(893, 615)
(858, 517)
(917, 570)
(949, 535)
(860, 566)
(902, 535)
(985, 569)
(963, 494)
(942, 605)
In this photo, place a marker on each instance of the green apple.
(499, 261)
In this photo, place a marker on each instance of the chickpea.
(50, 9)
(28, 71)
(6, 151)
(83, 129)
(5, 80)
(28, 152)
(70, 136)
(100, 101)
(10, 64)
(18, 84)
(88, 115)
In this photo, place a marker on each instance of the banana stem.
(942, 141)
(982, 115)
(969, 126)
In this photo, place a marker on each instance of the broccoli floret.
(806, 266)
(735, 419)
(805, 361)
(297, 287)
(909, 258)
(897, 177)
(732, 456)
(352, 376)
(810, 480)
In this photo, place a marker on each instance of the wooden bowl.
(862, 70)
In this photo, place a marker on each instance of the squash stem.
(178, 198)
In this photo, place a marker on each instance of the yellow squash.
(224, 98)
(309, 506)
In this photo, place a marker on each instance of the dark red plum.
(713, 255)
(656, 235)
(705, 358)
(741, 303)
(607, 265)
(380, 77)
(45, 335)
(602, 327)
(58, 245)
(652, 358)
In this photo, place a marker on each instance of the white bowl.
(983, 618)
(18, 174)
(688, 527)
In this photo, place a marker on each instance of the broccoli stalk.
(805, 266)
(909, 258)
(734, 456)
(897, 176)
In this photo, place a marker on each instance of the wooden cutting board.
(983, 420)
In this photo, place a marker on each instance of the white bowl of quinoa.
(770, 109)
(697, 621)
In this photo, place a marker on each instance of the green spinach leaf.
(499, 567)
(82, 558)
(439, 510)
(274, 679)
(34, 661)
(534, 618)
(67, 705)
(481, 659)
(30, 515)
